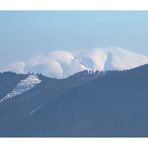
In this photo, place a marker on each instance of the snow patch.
(23, 86)
(36, 109)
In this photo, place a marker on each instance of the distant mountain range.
(62, 64)
(88, 103)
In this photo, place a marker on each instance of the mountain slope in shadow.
(113, 104)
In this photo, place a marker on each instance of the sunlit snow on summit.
(61, 64)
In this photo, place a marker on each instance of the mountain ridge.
(108, 104)
(62, 64)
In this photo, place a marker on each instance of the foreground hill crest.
(113, 103)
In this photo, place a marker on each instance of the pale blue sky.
(27, 34)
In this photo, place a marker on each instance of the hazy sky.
(27, 34)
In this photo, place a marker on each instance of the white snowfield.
(23, 86)
(61, 64)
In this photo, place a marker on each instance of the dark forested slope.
(110, 104)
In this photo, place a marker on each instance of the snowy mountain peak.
(103, 59)
(61, 64)
(23, 86)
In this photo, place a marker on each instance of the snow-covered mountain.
(61, 64)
